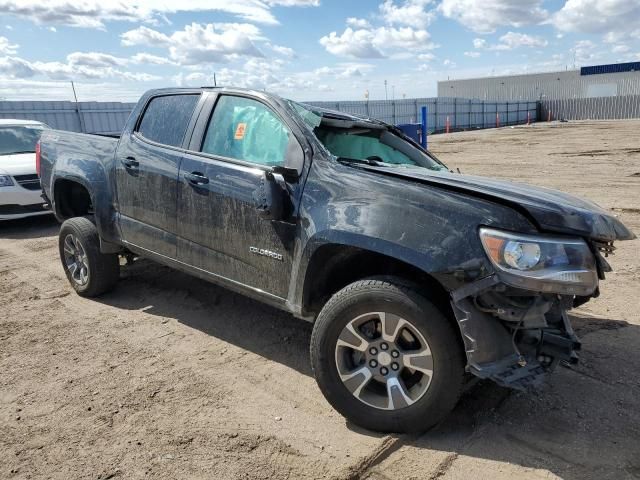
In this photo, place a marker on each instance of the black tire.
(103, 269)
(444, 341)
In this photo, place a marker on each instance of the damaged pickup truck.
(415, 277)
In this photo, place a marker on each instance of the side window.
(166, 118)
(245, 129)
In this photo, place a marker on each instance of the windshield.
(19, 139)
(364, 141)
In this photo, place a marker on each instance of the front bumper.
(513, 337)
(18, 202)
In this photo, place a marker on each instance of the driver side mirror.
(271, 196)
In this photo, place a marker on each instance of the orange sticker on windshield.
(240, 131)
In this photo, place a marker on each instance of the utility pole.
(73, 87)
(80, 120)
(215, 84)
(393, 92)
(386, 97)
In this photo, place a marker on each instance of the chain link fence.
(458, 113)
(88, 117)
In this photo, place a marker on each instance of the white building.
(588, 82)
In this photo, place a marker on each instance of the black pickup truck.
(415, 277)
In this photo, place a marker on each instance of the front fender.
(433, 229)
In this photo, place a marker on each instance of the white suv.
(19, 183)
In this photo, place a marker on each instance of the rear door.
(147, 166)
(219, 228)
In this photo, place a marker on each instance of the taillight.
(38, 158)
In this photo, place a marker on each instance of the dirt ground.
(171, 377)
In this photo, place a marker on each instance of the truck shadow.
(583, 423)
(214, 310)
(30, 227)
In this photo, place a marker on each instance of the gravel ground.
(171, 377)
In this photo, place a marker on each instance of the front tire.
(90, 272)
(386, 358)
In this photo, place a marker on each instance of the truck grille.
(30, 182)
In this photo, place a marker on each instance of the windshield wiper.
(368, 161)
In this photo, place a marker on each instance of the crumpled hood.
(18, 164)
(551, 210)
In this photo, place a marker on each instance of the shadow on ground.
(30, 227)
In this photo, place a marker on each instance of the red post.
(497, 120)
(447, 124)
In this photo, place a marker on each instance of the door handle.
(196, 178)
(130, 162)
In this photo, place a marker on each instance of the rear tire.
(90, 272)
(394, 396)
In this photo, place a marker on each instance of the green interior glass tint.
(361, 146)
(247, 130)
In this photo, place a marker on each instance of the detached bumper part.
(512, 344)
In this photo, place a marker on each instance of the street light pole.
(386, 97)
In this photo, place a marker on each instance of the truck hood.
(551, 210)
(18, 164)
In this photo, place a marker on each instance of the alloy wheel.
(76, 261)
(384, 361)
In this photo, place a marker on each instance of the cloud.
(511, 41)
(426, 57)
(144, 36)
(410, 12)
(358, 22)
(94, 60)
(79, 65)
(585, 51)
(621, 49)
(95, 13)
(615, 17)
(282, 50)
(263, 74)
(13, 67)
(375, 42)
(485, 17)
(7, 48)
(200, 44)
(472, 54)
(147, 58)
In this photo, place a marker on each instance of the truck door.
(147, 163)
(219, 228)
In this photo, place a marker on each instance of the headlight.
(541, 263)
(5, 181)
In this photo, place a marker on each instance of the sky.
(114, 50)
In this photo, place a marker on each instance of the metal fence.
(459, 113)
(598, 108)
(88, 117)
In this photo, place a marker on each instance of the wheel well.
(71, 199)
(333, 267)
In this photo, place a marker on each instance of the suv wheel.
(386, 358)
(90, 272)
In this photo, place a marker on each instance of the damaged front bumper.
(514, 336)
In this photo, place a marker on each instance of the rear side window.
(245, 129)
(166, 118)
